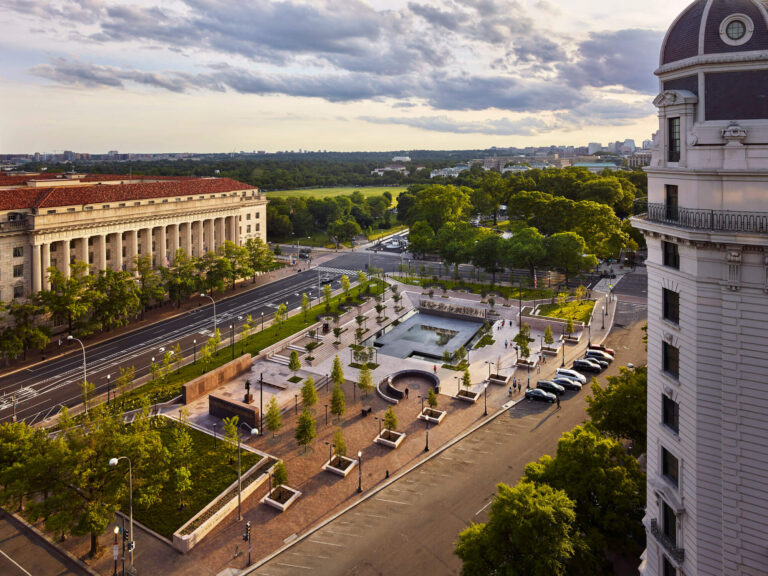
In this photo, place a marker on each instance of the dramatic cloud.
(529, 126)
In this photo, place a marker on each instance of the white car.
(572, 374)
(599, 354)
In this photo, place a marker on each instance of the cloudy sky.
(224, 75)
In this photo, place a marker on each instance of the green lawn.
(343, 191)
(579, 311)
(211, 473)
(512, 292)
(169, 387)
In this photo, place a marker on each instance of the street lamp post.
(261, 404)
(326, 414)
(296, 403)
(214, 435)
(589, 334)
(232, 339)
(194, 350)
(131, 543)
(114, 551)
(379, 421)
(426, 445)
(214, 309)
(253, 432)
(485, 400)
(359, 471)
(331, 446)
(563, 364)
(520, 298)
(603, 316)
(85, 373)
(262, 321)
(109, 376)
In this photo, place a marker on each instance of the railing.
(710, 220)
(677, 553)
(22, 224)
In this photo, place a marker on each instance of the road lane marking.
(16, 563)
(327, 543)
(392, 501)
(289, 565)
(484, 507)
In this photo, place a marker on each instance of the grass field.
(579, 311)
(328, 192)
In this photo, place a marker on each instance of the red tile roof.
(20, 180)
(38, 198)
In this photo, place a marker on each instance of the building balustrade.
(701, 219)
(678, 554)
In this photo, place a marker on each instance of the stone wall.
(210, 381)
(223, 407)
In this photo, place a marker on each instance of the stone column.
(36, 276)
(131, 248)
(173, 242)
(160, 247)
(63, 264)
(100, 252)
(233, 224)
(117, 251)
(81, 249)
(46, 263)
(219, 234)
(208, 243)
(185, 230)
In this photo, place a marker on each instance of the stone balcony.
(678, 554)
(726, 221)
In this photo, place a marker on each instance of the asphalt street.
(21, 555)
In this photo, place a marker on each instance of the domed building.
(707, 231)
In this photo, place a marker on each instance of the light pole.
(262, 321)
(326, 414)
(485, 397)
(109, 376)
(563, 364)
(253, 432)
(589, 334)
(194, 350)
(379, 421)
(520, 298)
(261, 404)
(489, 368)
(426, 444)
(214, 309)
(114, 550)
(85, 373)
(359, 471)
(603, 316)
(131, 543)
(296, 404)
(152, 368)
(331, 446)
(232, 339)
(214, 435)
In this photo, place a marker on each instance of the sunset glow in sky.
(219, 75)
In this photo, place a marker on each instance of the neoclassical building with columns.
(109, 220)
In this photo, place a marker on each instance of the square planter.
(390, 438)
(340, 465)
(432, 416)
(550, 351)
(281, 497)
(467, 396)
(526, 364)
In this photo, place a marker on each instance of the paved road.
(42, 389)
(23, 556)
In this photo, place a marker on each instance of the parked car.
(567, 383)
(599, 361)
(602, 348)
(599, 354)
(586, 366)
(571, 374)
(540, 395)
(549, 386)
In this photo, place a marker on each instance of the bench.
(366, 410)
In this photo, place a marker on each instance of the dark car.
(567, 383)
(540, 395)
(549, 386)
(600, 362)
(586, 366)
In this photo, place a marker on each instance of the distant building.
(639, 160)
(401, 159)
(391, 168)
(448, 172)
(594, 147)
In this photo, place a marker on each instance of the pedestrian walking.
(514, 382)
(435, 368)
(505, 344)
(406, 392)
(558, 402)
(538, 368)
(510, 391)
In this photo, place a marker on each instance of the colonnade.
(118, 250)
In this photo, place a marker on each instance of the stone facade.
(707, 233)
(109, 222)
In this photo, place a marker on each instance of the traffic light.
(131, 546)
(125, 534)
(247, 533)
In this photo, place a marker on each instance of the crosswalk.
(352, 274)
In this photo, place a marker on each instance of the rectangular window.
(105, 206)
(18, 271)
(90, 257)
(70, 209)
(18, 291)
(258, 226)
(671, 305)
(248, 229)
(53, 246)
(89, 207)
(670, 359)
(18, 251)
(137, 203)
(669, 568)
(670, 413)
(121, 205)
(53, 263)
(670, 202)
(671, 255)
(51, 211)
(669, 522)
(670, 467)
(674, 139)
(109, 254)
(90, 241)
(248, 216)
(257, 215)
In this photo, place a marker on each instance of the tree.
(362, 279)
(523, 340)
(260, 257)
(548, 338)
(619, 409)
(530, 532)
(69, 299)
(526, 250)
(455, 241)
(327, 298)
(305, 305)
(305, 429)
(294, 364)
(339, 442)
(245, 331)
(26, 329)
(432, 398)
(489, 253)
(436, 205)
(150, 282)
(390, 420)
(337, 372)
(273, 419)
(466, 379)
(124, 381)
(279, 475)
(605, 483)
(280, 315)
(338, 401)
(231, 436)
(422, 238)
(86, 389)
(344, 230)
(569, 325)
(214, 270)
(365, 380)
(180, 278)
(567, 252)
(308, 393)
(345, 285)
(182, 483)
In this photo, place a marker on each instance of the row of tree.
(568, 511)
(87, 301)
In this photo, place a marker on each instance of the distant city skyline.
(217, 76)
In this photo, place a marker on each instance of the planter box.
(347, 463)
(287, 496)
(573, 339)
(467, 396)
(549, 351)
(432, 416)
(499, 379)
(526, 363)
(390, 438)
